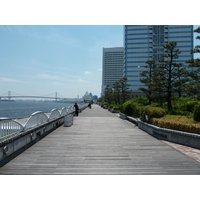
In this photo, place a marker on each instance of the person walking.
(76, 109)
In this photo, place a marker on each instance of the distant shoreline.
(7, 100)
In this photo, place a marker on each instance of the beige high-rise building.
(113, 59)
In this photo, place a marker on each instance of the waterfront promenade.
(100, 143)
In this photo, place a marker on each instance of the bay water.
(22, 109)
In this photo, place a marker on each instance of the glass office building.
(145, 42)
(112, 70)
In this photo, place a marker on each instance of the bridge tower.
(56, 98)
(9, 95)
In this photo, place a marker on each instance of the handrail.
(11, 126)
(54, 114)
(36, 119)
(63, 111)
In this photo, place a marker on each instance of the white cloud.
(100, 69)
(2, 79)
(87, 72)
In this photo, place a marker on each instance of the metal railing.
(64, 111)
(36, 119)
(10, 126)
(54, 114)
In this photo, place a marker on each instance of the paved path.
(99, 142)
(189, 151)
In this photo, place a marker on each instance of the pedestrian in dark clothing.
(76, 109)
(89, 105)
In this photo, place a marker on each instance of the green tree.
(117, 92)
(148, 79)
(121, 91)
(158, 89)
(108, 94)
(170, 67)
(181, 79)
(194, 83)
(125, 90)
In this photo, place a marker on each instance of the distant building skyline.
(145, 42)
(112, 66)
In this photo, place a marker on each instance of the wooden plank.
(99, 142)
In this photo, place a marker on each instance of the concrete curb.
(179, 137)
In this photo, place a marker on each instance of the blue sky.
(42, 60)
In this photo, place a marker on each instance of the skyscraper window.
(145, 42)
(113, 59)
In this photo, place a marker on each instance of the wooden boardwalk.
(101, 143)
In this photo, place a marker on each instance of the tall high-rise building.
(113, 59)
(145, 42)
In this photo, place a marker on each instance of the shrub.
(131, 108)
(179, 107)
(148, 112)
(177, 111)
(103, 103)
(190, 105)
(141, 100)
(136, 109)
(116, 107)
(196, 115)
(183, 107)
(127, 108)
(191, 128)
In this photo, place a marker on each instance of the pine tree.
(125, 91)
(148, 79)
(194, 83)
(116, 92)
(170, 68)
(181, 79)
(158, 89)
(108, 94)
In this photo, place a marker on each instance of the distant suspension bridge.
(10, 97)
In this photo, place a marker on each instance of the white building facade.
(112, 66)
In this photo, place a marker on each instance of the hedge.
(148, 112)
(191, 128)
(131, 108)
(196, 115)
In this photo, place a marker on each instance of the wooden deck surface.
(100, 143)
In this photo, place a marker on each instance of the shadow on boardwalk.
(100, 143)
